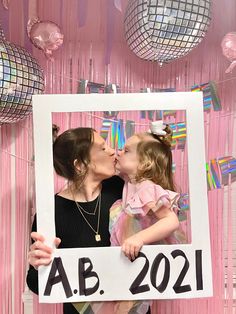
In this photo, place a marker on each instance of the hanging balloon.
(5, 4)
(20, 78)
(46, 36)
(162, 31)
(228, 46)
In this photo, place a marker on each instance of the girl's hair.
(71, 149)
(155, 159)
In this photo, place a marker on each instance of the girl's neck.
(132, 179)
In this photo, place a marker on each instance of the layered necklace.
(83, 212)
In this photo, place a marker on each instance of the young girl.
(149, 201)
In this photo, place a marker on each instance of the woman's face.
(127, 160)
(102, 159)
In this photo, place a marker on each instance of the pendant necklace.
(85, 211)
(82, 211)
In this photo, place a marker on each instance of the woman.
(82, 209)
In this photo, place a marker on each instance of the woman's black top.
(75, 232)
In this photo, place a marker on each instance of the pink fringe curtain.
(92, 51)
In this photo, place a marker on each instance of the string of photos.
(218, 170)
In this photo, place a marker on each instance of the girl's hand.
(40, 253)
(132, 246)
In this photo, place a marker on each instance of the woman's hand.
(132, 246)
(40, 254)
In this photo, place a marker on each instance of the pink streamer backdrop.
(94, 52)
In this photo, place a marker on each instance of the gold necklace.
(85, 211)
(97, 235)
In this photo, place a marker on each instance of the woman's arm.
(39, 254)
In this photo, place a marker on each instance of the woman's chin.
(112, 172)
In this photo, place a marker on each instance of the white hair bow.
(157, 127)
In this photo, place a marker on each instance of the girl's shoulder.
(146, 184)
(149, 191)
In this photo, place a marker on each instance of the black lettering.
(61, 277)
(84, 274)
(199, 279)
(136, 288)
(177, 286)
(155, 266)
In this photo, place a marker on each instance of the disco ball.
(20, 78)
(164, 30)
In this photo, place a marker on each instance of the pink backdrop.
(95, 49)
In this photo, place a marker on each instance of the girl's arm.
(167, 222)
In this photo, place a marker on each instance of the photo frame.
(161, 271)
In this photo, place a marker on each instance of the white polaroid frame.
(161, 271)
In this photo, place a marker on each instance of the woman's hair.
(155, 159)
(71, 149)
(55, 131)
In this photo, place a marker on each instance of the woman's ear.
(77, 165)
(80, 168)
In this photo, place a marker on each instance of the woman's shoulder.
(113, 187)
(115, 181)
(62, 200)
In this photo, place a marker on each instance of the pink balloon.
(46, 36)
(228, 46)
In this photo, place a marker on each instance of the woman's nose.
(112, 151)
(119, 152)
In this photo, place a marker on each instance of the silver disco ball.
(164, 30)
(20, 78)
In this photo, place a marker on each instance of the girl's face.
(102, 159)
(127, 160)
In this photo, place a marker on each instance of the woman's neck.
(88, 191)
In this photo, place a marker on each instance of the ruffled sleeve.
(149, 192)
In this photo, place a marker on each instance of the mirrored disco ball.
(20, 78)
(164, 30)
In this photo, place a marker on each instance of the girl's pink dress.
(131, 215)
(127, 217)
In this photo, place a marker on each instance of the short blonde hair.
(155, 159)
